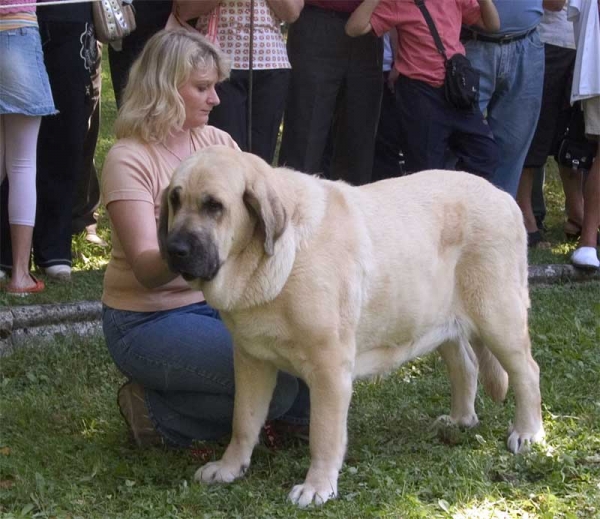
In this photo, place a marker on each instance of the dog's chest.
(264, 337)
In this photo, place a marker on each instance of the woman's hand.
(489, 20)
(359, 22)
(135, 225)
(286, 10)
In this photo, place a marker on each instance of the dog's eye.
(212, 206)
(175, 199)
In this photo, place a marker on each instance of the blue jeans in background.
(512, 79)
(184, 360)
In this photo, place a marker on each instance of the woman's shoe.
(132, 404)
(37, 287)
(585, 258)
(58, 272)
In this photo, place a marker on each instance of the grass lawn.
(64, 451)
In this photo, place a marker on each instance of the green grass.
(64, 451)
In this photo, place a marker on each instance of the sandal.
(22, 292)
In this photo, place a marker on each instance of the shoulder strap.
(432, 28)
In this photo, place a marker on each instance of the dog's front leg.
(254, 384)
(330, 394)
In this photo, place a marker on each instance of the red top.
(417, 56)
(344, 6)
(14, 10)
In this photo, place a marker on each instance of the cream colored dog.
(331, 282)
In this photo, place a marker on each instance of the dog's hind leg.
(462, 371)
(504, 331)
(254, 384)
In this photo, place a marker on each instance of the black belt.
(467, 34)
(336, 14)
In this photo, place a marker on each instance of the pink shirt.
(417, 56)
(9, 10)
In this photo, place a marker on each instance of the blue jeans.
(184, 360)
(512, 79)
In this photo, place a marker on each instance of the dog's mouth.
(194, 257)
(187, 276)
(204, 274)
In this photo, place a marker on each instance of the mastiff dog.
(331, 282)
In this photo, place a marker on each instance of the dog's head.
(218, 203)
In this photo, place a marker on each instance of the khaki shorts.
(591, 112)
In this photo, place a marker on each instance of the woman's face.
(199, 97)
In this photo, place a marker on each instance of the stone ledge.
(19, 325)
(560, 273)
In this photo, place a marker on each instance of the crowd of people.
(189, 85)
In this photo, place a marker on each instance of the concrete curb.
(19, 325)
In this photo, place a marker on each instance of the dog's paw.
(521, 442)
(467, 421)
(308, 494)
(219, 472)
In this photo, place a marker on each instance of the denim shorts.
(24, 81)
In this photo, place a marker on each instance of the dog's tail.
(492, 375)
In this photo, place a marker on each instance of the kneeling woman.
(171, 345)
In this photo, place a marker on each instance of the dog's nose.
(178, 248)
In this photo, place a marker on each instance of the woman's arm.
(553, 5)
(359, 22)
(286, 10)
(188, 9)
(135, 225)
(489, 20)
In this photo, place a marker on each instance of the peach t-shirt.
(138, 171)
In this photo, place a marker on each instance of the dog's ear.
(263, 200)
(163, 223)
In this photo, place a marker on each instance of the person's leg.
(19, 135)
(188, 375)
(514, 110)
(387, 156)
(357, 112)
(572, 183)
(538, 202)
(511, 82)
(231, 114)
(62, 136)
(317, 51)
(524, 192)
(472, 143)
(269, 93)
(591, 205)
(150, 17)
(87, 190)
(425, 129)
(586, 254)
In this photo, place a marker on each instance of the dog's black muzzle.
(193, 255)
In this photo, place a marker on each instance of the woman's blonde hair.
(152, 107)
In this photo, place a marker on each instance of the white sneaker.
(586, 258)
(58, 272)
(3, 275)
